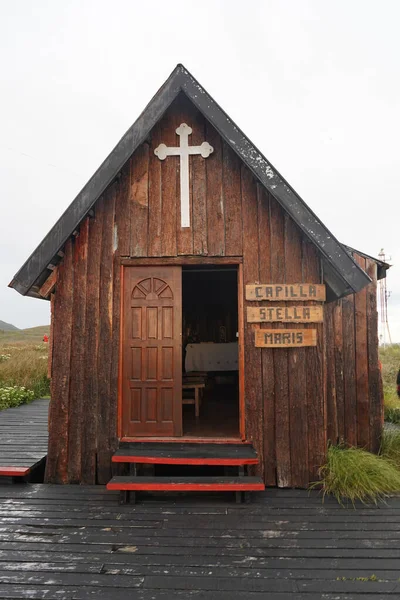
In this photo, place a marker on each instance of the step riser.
(186, 487)
(234, 462)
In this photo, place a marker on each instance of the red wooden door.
(152, 352)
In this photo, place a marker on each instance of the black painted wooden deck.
(23, 437)
(76, 542)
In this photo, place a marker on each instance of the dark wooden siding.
(354, 390)
(287, 414)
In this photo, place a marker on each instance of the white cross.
(162, 151)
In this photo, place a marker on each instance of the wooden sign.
(285, 338)
(285, 314)
(283, 291)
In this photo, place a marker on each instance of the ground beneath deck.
(75, 542)
(23, 438)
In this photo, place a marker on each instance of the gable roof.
(341, 272)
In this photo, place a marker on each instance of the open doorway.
(210, 351)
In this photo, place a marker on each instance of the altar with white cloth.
(208, 356)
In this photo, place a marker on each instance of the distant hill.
(32, 335)
(7, 326)
(40, 330)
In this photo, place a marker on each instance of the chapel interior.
(210, 351)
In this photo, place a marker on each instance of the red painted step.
(14, 471)
(187, 484)
(186, 454)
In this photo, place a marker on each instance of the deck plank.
(76, 542)
(23, 438)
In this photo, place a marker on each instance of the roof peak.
(343, 274)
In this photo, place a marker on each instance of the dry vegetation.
(23, 362)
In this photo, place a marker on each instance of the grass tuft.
(354, 474)
(390, 446)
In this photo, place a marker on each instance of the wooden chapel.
(201, 313)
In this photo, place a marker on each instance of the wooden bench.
(198, 387)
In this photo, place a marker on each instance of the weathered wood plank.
(115, 353)
(104, 357)
(331, 406)
(267, 359)
(252, 380)
(77, 389)
(282, 427)
(139, 200)
(374, 374)
(363, 415)
(57, 460)
(349, 370)
(296, 361)
(169, 189)
(180, 260)
(68, 579)
(51, 337)
(339, 381)
(230, 584)
(199, 192)
(90, 403)
(155, 195)
(316, 383)
(232, 204)
(97, 555)
(49, 285)
(215, 196)
(122, 225)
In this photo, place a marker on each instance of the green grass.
(23, 361)
(390, 359)
(352, 474)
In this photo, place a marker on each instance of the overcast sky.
(314, 84)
